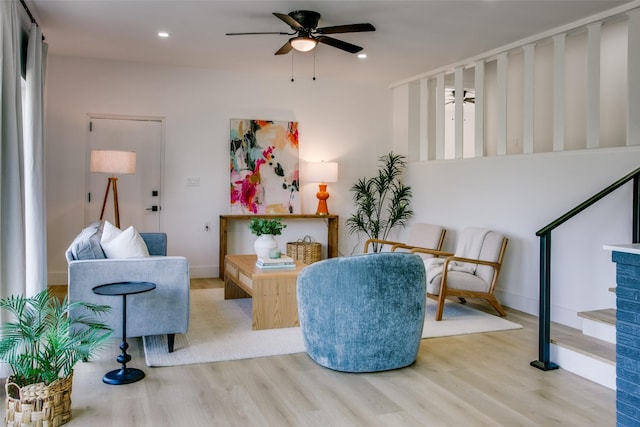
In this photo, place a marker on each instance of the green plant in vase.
(382, 202)
(260, 226)
(266, 229)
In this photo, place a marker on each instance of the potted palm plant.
(266, 229)
(382, 202)
(42, 343)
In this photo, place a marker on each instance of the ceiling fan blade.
(249, 34)
(348, 47)
(352, 28)
(286, 48)
(289, 21)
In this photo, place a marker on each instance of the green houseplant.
(42, 343)
(260, 226)
(382, 202)
(266, 229)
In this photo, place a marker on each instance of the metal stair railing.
(544, 335)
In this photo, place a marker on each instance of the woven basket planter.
(38, 405)
(304, 250)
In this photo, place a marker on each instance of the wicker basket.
(38, 405)
(304, 250)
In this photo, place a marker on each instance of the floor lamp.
(113, 162)
(322, 173)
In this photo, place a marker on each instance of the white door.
(139, 195)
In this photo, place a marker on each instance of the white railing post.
(593, 84)
(558, 91)
(479, 109)
(503, 64)
(633, 79)
(528, 101)
(459, 114)
(440, 116)
(423, 134)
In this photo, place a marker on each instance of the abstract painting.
(264, 167)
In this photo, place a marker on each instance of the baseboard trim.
(203, 272)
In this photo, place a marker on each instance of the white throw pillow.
(109, 232)
(122, 244)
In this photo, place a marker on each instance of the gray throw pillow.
(87, 244)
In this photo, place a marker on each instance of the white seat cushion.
(458, 280)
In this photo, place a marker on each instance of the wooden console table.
(332, 231)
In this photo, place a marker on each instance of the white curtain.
(12, 243)
(35, 202)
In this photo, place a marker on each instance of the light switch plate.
(193, 181)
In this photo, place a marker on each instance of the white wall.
(518, 195)
(345, 122)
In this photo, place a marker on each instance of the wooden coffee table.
(273, 291)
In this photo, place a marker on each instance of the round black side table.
(123, 375)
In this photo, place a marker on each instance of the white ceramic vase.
(264, 244)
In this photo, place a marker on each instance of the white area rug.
(221, 330)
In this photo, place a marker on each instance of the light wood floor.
(473, 380)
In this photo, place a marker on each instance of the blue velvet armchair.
(363, 313)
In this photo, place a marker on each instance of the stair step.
(600, 324)
(606, 315)
(573, 338)
(589, 346)
(584, 355)
(598, 366)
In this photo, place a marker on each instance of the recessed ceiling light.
(163, 34)
(362, 55)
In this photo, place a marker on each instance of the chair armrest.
(495, 265)
(384, 242)
(401, 246)
(435, 253)
(419, 249)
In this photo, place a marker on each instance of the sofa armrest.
(164, 310)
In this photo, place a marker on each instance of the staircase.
(590, 353)
(563, 354)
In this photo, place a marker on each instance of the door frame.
(91, 116)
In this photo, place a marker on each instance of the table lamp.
(113, 162)
(322, 172)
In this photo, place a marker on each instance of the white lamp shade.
(303, 44)
(322, 172)
(113, 162)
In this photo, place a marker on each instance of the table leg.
(123, 375)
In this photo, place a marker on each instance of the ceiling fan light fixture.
(303, 44)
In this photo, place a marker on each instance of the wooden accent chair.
(427, 236)
(472, 272)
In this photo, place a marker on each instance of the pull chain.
(292, 55)
(314, 64)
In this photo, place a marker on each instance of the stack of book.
(282, 262)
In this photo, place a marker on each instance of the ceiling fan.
(304, 24)
(467, 97)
